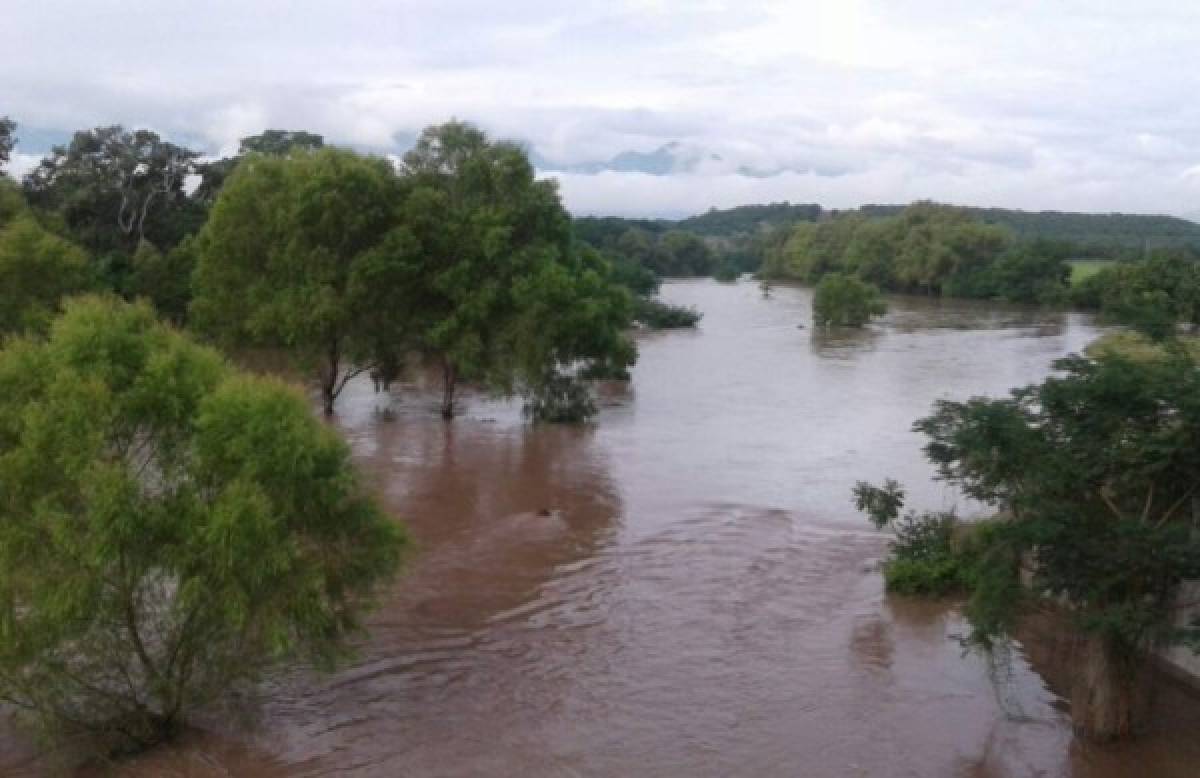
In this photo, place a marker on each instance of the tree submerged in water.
(845, 301)
(560, 398)
(169, 528)
(1096, 473)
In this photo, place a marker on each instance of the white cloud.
(1071, 104)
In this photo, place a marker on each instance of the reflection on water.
(682, 588)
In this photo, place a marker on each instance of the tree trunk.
(1111, 690)
(449, 379)
(329, 378)
(327, 399)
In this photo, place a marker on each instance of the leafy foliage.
(561, 399)
(924, 559)
(845, 301)
(1098, 469)
(164, 279)
(747, 220)
(1087, 234)
(663, 251)
(37, 270)
(882, 504)
(303, 253)
(656, 315)
(113, 188)
(1154, 296)
(1096, 474)
(281, 143)
(497, 289)
(169, 529)
(926, 248)
(277, 143)
(7, 139)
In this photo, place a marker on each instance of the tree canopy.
(114, 187)
(294, 255)
(169, 528)
(845, 301)
(492, 248)
(1096, 473)
(281, 142)
(1154, 296)
(928, 248)
(7, 139)
(37, 268)
(276, 143)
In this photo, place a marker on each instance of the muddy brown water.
(682, 589)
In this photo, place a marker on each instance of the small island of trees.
(845, 301)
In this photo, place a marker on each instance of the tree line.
(171, 526)
(455, 257)
(926, 248)
(749, 238)
(1099, 235)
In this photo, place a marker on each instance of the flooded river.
(684, 588)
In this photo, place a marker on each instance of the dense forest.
(1091, 234)
(744, 237)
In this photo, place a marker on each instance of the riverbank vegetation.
(926, 249)
(453, 259)
(1094, 476)
(1157, 296)
(170, 528)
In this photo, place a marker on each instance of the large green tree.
(571, 323)
(1096, 474)
(169, 527)
(486, 239)
(302, 253)
(114, 188)
(37, 270)
(277, 143)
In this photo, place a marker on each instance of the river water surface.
(683, 588)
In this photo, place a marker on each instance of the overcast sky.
(1086, 105)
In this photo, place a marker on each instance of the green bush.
(845, 301)
(657, 315)
(935, 576)
(561, 399)
(924, 557)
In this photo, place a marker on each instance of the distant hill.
(1125, 230)
(740, 236)
(748, 219)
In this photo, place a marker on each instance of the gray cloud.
(1074, 105)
